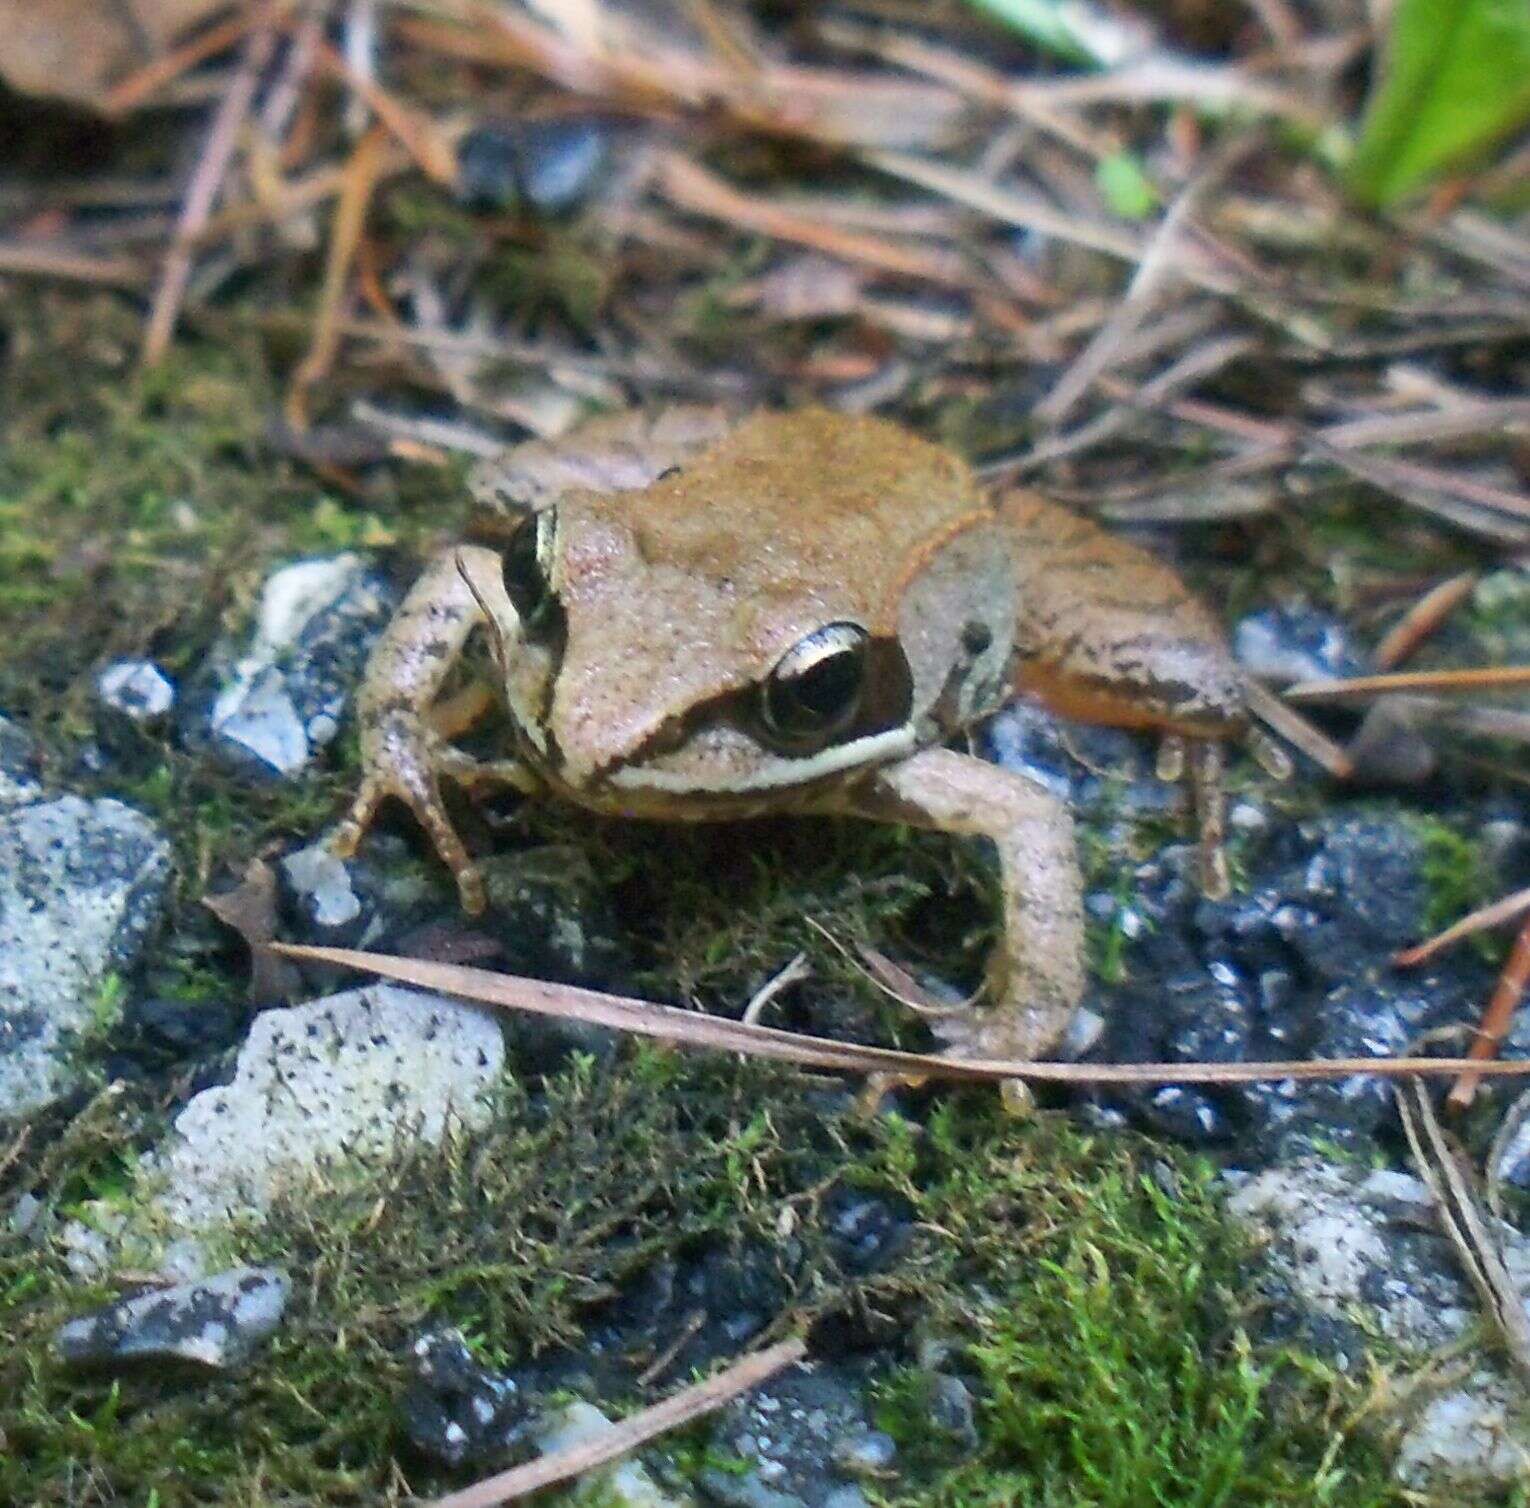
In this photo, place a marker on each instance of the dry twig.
(205, 183)
(1422, 620)
(691, 1029)
(625, 1437)
(1465, 1223)
(1473, 679)
(1500, 911)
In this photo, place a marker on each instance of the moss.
(1090, 1299)
(1086, 1287)
(1457, 879)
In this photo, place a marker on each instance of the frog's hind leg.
(462, 710)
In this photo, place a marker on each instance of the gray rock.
(259, 719)
(458, 1411)
(870, 1454)
(846, 1497)
(1352, 1252)
(321, 885)
(1352, 1246)
(82, 884)
(1511, 1161)
(137, 689)
(551, 166)
(952, 1409)
(1080, 763)
(18, 757)
(623, 1484)
(793, 1433)
(743, 1490)
(359, 1075)
(216, 1322)
(1296, 963)
(1390, 746)
(268, 707)
(341, 1083)
(1285, 645)
(1474, 1436)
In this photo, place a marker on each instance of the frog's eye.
(816, 688)
(526, 562)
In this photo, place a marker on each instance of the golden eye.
(816, 688)
(525, 564)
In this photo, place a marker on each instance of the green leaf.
(1455, 78)
(1044, 22)
(1126, 188)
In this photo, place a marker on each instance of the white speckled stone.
(18, 785)
(1356, 1245)
(1332, 1230)
(356, 1075)
(1472, 1436)
(81, 885)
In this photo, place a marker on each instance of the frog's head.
(812, 597)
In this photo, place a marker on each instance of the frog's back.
(810, 503)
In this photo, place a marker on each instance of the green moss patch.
(1086, 1288)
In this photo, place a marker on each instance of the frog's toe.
(349, 831)
(1002, 1035)
(422, 795)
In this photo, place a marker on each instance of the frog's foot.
(1205, 760)
(1003, 1023)
(405, 762)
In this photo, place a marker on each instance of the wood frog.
(694, 616)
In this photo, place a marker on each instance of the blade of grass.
(1464, 1223)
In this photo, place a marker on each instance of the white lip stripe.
(799, 772)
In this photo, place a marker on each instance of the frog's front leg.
(1036, 977)
(403, 752)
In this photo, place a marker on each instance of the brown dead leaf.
(250, 910)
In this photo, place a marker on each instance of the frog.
(699, 615)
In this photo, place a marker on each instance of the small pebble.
(550, 166)
(138, 689)
(868, 1455)
(1285, 645)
